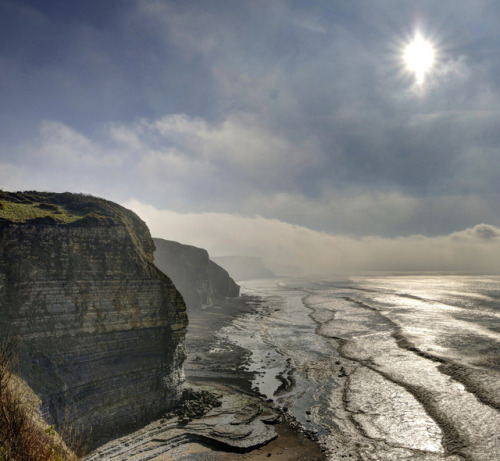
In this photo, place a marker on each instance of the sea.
(380, 366)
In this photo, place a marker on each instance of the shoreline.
(293, 441)
(246, 427)
(366, 407)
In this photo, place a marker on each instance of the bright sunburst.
(419, 56)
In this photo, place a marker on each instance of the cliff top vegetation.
(57, 208)
(69, 210)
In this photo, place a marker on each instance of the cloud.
(288, 110)
(62, 145)
(481, 232)
(173, 166)
(239, 166)
(358, 212)
(288, 248)
(238, 142)
(10, 176)
(62, 159)
(187, 159)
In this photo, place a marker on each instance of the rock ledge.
(239, 424)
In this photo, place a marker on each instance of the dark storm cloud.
(300, 111)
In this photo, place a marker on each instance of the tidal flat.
(381, 367)
(365, 368)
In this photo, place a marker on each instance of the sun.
(419, 57)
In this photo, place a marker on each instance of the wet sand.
(290, 445)
(215, 363)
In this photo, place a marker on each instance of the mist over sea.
(381, 367)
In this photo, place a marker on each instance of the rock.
(200, 280)
(239, 424)
(100, 329)
(194, 404)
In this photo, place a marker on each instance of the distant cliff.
(100, 329)
(200, 280)
(245, 267)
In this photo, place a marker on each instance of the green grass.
(72, 210)
(22, 212)
(54, 208)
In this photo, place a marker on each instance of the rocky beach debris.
(194, 404)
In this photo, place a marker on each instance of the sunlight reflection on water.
(340, 354)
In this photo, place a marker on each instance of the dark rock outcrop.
(100, 329)
(200, 280)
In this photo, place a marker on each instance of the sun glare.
(419, 56)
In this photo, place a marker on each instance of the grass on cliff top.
(65, 208)
(22, 212)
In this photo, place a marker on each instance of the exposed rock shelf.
(240, 424)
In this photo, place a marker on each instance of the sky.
(291, 130)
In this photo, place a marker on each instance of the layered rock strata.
(199, 279)
(100, 329)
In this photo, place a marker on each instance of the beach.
(362, 367)
(245, 426)
(381, 366)
(213, 361)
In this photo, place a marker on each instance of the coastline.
(246, 427)
(328, 356)
(205, 350)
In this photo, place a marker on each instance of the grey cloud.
(484, 232)
(237, 166)
(359, 213)
(299, 111)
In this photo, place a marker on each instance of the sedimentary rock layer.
(100, 329)
(200, 280)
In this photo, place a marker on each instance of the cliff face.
(245, 267)
(100, 329)
(199, 279)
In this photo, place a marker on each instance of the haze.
(287, 130)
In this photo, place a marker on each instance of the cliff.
(245, 267)
(100, 329)
(200, 280)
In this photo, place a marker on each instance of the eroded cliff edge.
(100, 329)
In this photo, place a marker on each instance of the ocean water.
(381, 367)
